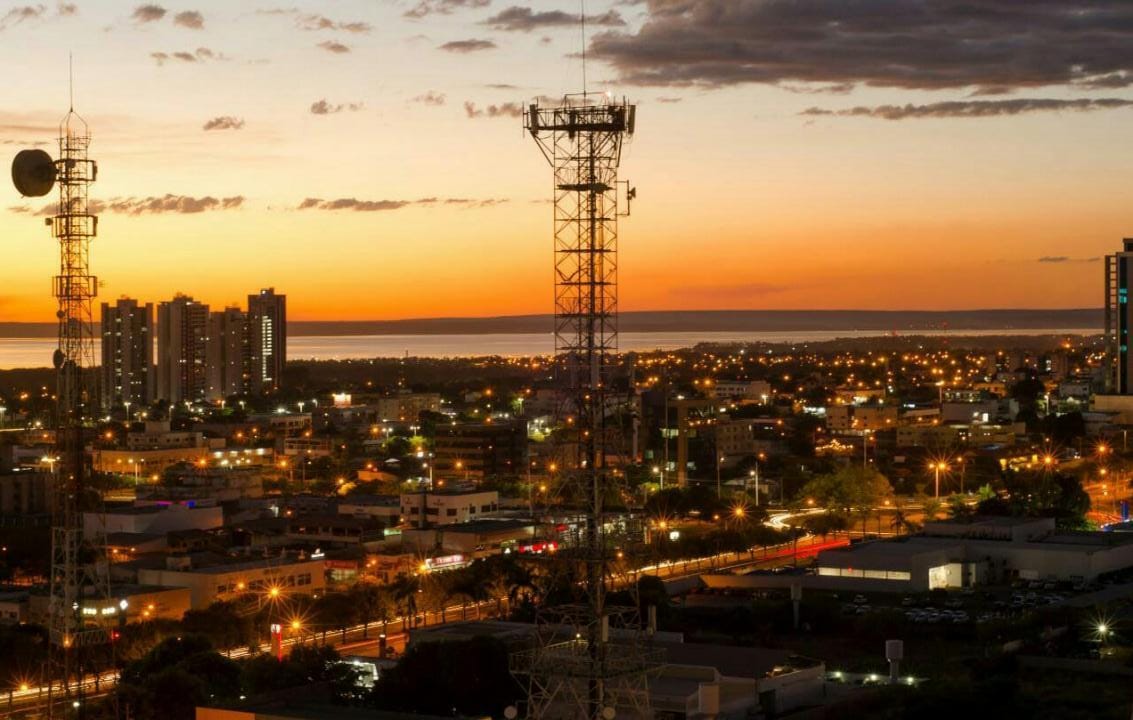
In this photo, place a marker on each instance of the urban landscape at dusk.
(566, 360)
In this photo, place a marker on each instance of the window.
(451, 512)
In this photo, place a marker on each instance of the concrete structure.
(143, 464)
(856, 419)
(182, 349)
(152, 519)
(481, 449)
(212, 578)
(229, 358)
(14, 607)
(26, 492)
(965, 553)
(751, 391)
(127, 373)
(267, 340)
(157, 435)
(386, 508)
(444, 507)
(1119, 318)
(471, 539)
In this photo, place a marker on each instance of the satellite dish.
(510, 712)
(33, 173)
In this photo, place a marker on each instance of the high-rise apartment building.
(1118, 319)
(127, 373)
(228, 359)
(267, 340)
(182, 349)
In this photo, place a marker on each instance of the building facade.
(127, 373)
(229, 358)
(1117, 318)
(182, 349)
(267, 340)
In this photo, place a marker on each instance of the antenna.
(582, 18)
(71, 83)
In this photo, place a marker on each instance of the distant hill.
(884, 321)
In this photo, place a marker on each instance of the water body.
(36, 352)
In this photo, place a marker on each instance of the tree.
(852, 489)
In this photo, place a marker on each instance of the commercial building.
(228, 353)
(210, 578)
(267, 340)
(964, 553)
(748, 391)
(25, 492)
(127, 374)
(1119, 318)
(471, 539)
(481, 449)
(152, 519)
(182, 349)
(444, 507)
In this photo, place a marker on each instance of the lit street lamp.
(936, 467)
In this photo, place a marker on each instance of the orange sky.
(743, 203)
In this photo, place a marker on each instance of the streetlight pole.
(718, 474)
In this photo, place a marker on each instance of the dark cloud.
(430, 98)
(158, 205)
(148, 13)
(508, 109)
(225, 122)
(199, 55)
(669, 100)
(383, 205)
(524, 19)
(733, 293)
(467, 46)
(21, 13)
(501, 86)
(321, 22)
(973, 108)
(190, 19)
(334, 47)
(922, 44)
(424, 8)
(1067, 259)
(353, 204)
(322, 107)
(67, 9)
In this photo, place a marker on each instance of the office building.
(228, 353)
(182, 349)
(127, 371)
(1117, 318)
(267, 340)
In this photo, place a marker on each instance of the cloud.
(669, 100)
(524, 19)
(732, 293)
(385, 205)
(67, 9)
(334, 47)
(508, 109)
(148, 13)
(21, 13)
(353, 204)
(321, 22)
(425, 8)
(973, 108)
(1067, 259)
(158, 205)
(199, 55)
(190, 19)
(430, 98)
(224, 122)
(916, 44)
(467, 46)
(322, 107)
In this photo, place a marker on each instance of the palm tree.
(405, 590)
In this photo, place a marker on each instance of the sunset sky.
(896, 154)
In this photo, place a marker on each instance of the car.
(860, 600)
(908, 602)
(863, 609)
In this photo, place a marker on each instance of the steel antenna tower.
(76, 571)
(589, 661)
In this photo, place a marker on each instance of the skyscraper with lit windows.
(127, 371)
(267, 340)
(1118, 273)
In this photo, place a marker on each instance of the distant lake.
(36, 352)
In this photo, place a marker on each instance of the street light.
(936, 467)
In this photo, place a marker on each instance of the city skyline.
(925, 191)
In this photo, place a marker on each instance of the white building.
(267, 578)
(444, 507)
(152, 519)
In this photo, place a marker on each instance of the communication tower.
(78, 568)
(591, 659)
